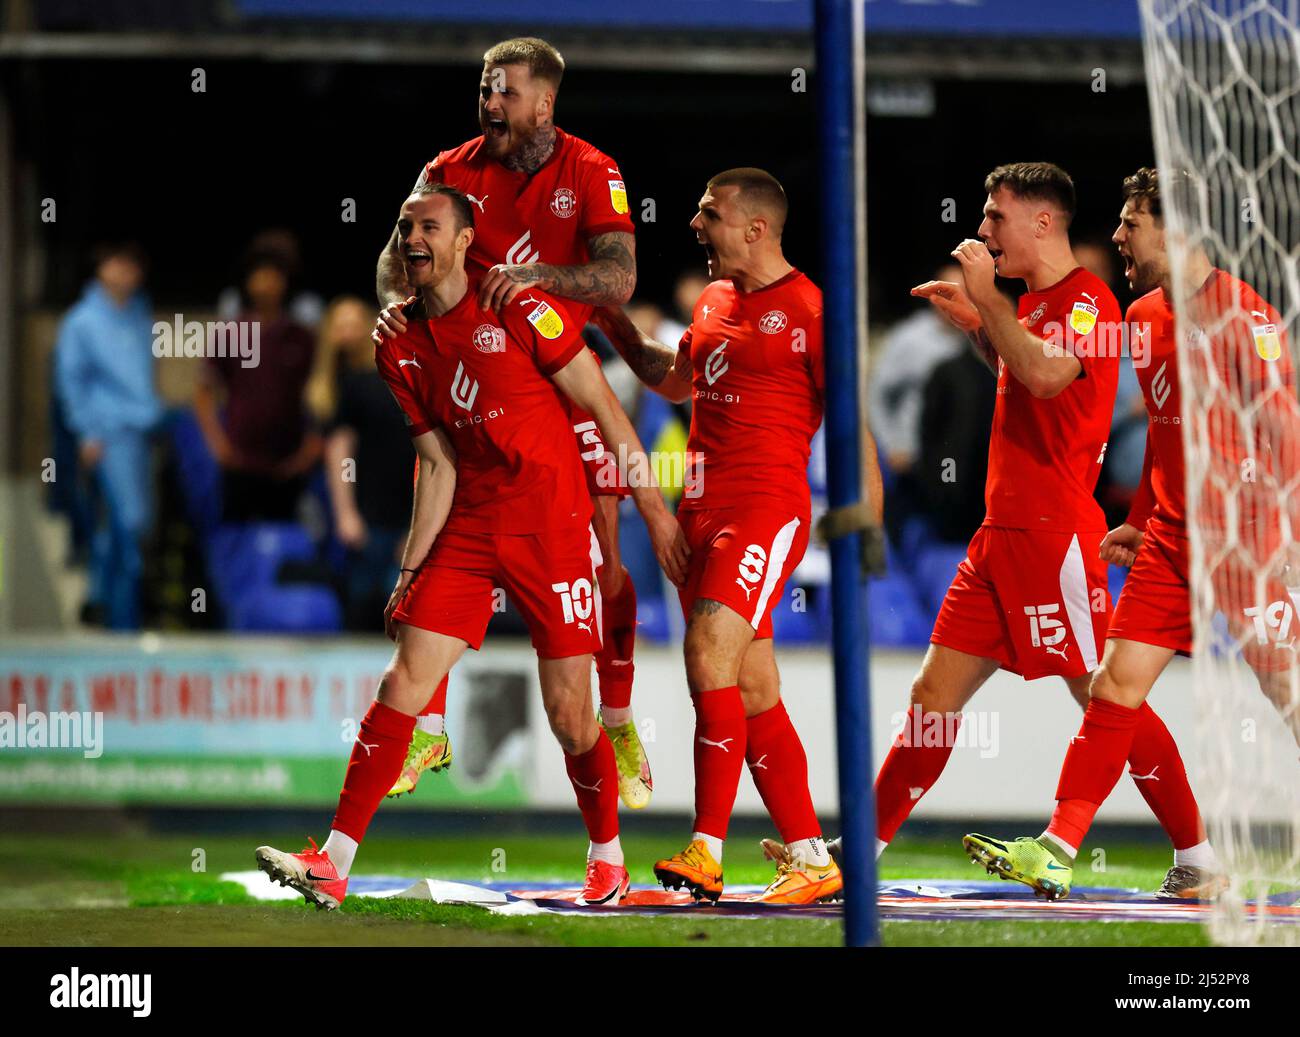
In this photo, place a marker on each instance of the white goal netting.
(1224, 82)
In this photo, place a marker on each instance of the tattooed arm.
(664, 369)
(607, 279)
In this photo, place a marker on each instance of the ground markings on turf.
(900, 900)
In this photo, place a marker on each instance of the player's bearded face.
(510, 108)
(1140, 240)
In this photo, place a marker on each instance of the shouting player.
(1030, 596)
(551, 213)
(751, 362)
(1239, 341)
(500, 501)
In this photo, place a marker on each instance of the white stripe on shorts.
(597, 559)
(776, 557)
(1074, 592)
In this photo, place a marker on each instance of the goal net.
(1224, 83)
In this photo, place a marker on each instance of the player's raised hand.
(1121, 545)
(670, 546)
(391, 322)
(950, 299)
(504, 282)
(977, 268)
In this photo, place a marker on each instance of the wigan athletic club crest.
(488, 338)
(564, 203)
(772, 322)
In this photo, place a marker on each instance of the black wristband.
(404, 570)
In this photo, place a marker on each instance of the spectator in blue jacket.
(104, 387)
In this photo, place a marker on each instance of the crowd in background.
(309, 438)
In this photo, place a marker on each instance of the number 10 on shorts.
(576, 597)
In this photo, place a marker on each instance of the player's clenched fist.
(1121, 545)
(391, 321)
(950, 299)
(670, 546)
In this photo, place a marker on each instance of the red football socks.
(1156, 767)
(720, 729)
(779, 768)
(437, 705)
(377, 757)
(614, 665)
(1093, 765)
(910, 770)
(594, 776)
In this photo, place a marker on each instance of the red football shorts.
(742, 557)
(1155, 605)
(549, 577)
(604, 479)
(1033, 600)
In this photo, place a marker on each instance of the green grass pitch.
(142, 890)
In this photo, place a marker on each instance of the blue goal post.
(841, 134)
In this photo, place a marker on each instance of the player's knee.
(400, 689)
(702, 666)
(928, 696)
(1107, 686)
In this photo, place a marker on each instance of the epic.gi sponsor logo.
(521, 253)
(717, 364)
(464, 389)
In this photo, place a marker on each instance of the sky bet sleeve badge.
(618, 196)
(1267, 342)
(1083, 318)
(546, 321)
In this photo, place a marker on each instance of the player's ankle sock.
(614, 659)
(342, 849)
(809, 852)
(1093, 765)
(594, 776)
(1059, 848)
(431, 723)
(779, 767)
(910, 770)
(610, 852)
(1157, 770)
(719, 755)
(712, 842)
(377, 757)
(1201, 855)
(614, 717)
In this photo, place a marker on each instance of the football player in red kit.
(1239, 338)
(751, 363)
(1031, 595)
(551, 212)
(500, 501)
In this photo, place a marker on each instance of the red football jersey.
(547, 217)
(1045, 455)
(1238, 343)
(757, 387)
(485, 380)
